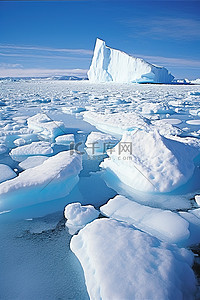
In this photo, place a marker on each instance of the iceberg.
(53, 179)
(114, 65)
(121, 262)
(65, 139)
(149, 162)
(78, 216)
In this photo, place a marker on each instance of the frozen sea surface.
(36, 261)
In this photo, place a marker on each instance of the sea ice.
(65, 139)
(53, 179)
(78, 216)
(35, 148)
(98, 142)
(32, 162)
(113, 65)
(121, 262)
(149, 162)
(163, 224)
(6, 173)
(45, 126)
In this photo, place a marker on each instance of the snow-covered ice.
(98, 142)
(53, 179)
(121, 262)
(45, 126)
(163, 224)
(35, 148)
(6, 173)
(114, 65)
(78, 216)
(32, 161)
(149, 162)
(65, 139)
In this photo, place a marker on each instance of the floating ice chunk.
(120, 262)
(3, 148)
(45, 126)
(155, 108)
(53, 179)
(193, 218)
(19, 142)
(35, 148)
(197, 199)
(193, 122)
(113, 65)
(117, 123)
(78, 216)
(99, 142)
(163, 224)
(166, 128)
(149, 162)
(32, 161)
(65, 139)
(6, 173)
(73, 110)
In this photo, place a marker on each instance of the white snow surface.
(6, 173)
(114, 65)
(151, 163)
(53, 179)
(121, 262)
(78, 216)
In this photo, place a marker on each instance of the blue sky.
(41, 38)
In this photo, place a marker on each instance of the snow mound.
(45, 126)
(163, 224)
(118, 260)
(6, 173)
(78, 216)
(149, 162)
(53, 179)
(114, 65)
(99, 142)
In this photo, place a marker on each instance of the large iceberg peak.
(114, 65)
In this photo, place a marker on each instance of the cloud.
(46, 49)
(42, 56)
(176, 28)
(170, 61)
(19, 72)
(9, 66)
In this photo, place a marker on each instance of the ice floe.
(98, 142)
(121, 262)
(149, 162)
(65, 139)
(53, 179)
(6, 173)
(78, 216)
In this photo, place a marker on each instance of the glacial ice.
(6, 173)
(114, 65)
(150, 162)
(53, 179)
(121, 262)
(78, 216)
